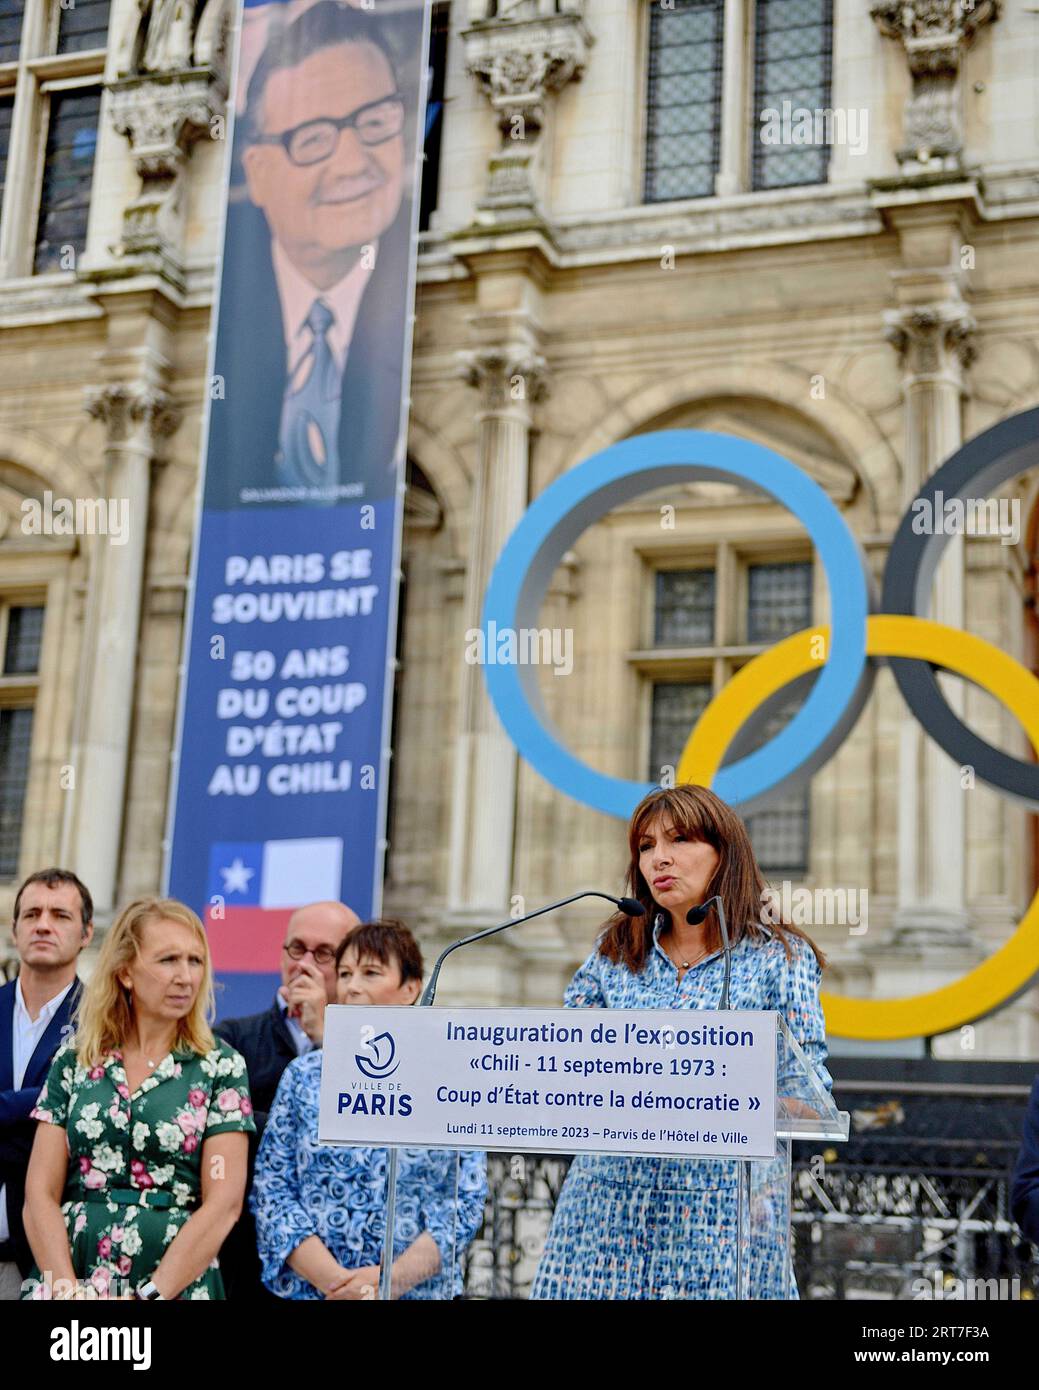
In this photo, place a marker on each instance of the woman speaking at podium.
(649, 1228)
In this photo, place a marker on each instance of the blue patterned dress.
(302, 1188)
(660, 1228)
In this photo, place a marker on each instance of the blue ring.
(559, 515)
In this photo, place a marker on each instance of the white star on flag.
(236, 877)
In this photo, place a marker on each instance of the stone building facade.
(609, 248)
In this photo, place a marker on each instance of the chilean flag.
(254, 888)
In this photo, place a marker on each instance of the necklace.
(687, 964)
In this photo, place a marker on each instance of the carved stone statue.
(168, 45)
(173, 35)
(170, 93)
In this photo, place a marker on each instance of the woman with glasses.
(320, 1209)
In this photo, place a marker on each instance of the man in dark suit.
(53, 921)
(269, 1041)
(313, 304)
(1024, 1191)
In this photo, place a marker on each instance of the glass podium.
(618, 1227)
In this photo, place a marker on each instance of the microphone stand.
(627, 905)
(631, 906)
(694, 917)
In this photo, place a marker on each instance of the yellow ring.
(1010, 969)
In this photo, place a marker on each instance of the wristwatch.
(148, 1292)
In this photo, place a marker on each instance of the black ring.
(985, 463)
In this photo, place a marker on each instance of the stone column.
(933, 342)
(137, 418)
(730, 176)
(510, 379)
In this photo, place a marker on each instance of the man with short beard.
(53, 921)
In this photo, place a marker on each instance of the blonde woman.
(138, 1167)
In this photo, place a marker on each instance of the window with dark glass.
(779, 600)
(684, 608)
(11, 14)
(15, 745)
(792, 68)
(21, 657)
(84, 26)
(684, 96)
(779, 833)
(677, 705)
(434, 113)
(67, 175)
(22, 646)
(6, 113)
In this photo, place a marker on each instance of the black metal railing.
(915, 1206)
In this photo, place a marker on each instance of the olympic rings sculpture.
(844, 654)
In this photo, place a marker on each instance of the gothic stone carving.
(519, 57)
(505, 376)
(171, 92)
(932, 339)
(134, 413)
(935, 35)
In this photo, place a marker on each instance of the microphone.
(694, 917)
(630, 906)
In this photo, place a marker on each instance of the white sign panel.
(652, 1081)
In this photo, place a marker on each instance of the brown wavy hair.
(104, 1018)
(700, 814)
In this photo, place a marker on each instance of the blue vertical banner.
(279, 792)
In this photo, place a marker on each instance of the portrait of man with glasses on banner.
(313, 302)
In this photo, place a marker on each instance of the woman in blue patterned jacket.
(320, 1210)
(648, 1228)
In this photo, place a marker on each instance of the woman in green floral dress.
(138, 1171)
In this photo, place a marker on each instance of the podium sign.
(569, 1081)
